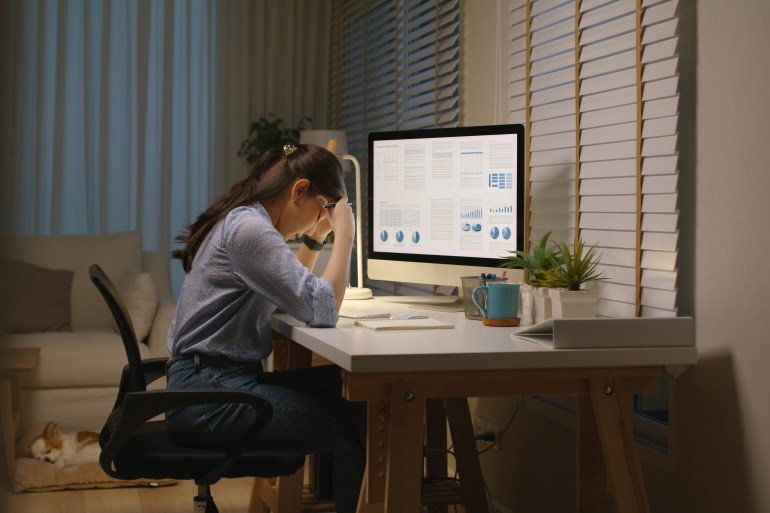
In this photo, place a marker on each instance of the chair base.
(204, 502)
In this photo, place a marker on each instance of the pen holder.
(470, 283)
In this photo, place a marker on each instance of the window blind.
(596, 84)
(395, 65)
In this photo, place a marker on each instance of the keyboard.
(355, 312)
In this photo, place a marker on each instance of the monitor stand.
(434, 303)
(454, 306)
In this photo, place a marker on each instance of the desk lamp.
(336, 142)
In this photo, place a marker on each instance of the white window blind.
(596, 84)
(395, 65)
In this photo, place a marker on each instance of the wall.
(722, 460)
(724, 402)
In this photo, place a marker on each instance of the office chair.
(134, 446)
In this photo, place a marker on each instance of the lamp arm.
(359, 245)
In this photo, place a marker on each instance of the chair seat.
(134, 446)
(149, 454)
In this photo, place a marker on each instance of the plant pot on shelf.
(535, 304)
(526, 304)
(573, 303)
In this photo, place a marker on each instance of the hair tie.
(288, 149)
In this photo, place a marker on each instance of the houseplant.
(267, 132)
(536, 303)
(566, 282)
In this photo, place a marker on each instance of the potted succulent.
(566, 281)
(536, 303)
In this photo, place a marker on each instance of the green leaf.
(578, 267)
(541, 258)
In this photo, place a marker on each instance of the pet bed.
(33, 475)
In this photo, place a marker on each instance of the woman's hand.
(320, 230)
(340, 220)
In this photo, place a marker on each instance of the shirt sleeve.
(264, 263)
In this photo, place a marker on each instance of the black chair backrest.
(125, 326)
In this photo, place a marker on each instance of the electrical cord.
(450, 451)
(515, 412)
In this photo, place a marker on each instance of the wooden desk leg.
(403, 487)
(277, 495)
(7, 423)
(436, 438)
(614, 416)
(436, 459)
(591, 476)
(372, 498)
(282, 494)
(288, 354)
(466, 456)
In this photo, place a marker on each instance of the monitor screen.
(449, 196)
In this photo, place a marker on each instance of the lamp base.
(358, 293)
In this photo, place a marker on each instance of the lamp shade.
(321, 138)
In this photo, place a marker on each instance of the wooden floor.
(231, 496)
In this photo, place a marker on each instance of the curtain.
(128, 114)
(273, 59)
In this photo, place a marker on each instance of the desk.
(400, 373)
(12, 361)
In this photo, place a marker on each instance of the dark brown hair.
(270, 175)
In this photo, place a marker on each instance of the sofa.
(48, 301)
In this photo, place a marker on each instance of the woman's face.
(301, 212)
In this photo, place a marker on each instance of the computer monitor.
(445, 203)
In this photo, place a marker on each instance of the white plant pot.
(573, 303)
(526, 304)
(541, 303)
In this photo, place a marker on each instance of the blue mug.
(501, 300)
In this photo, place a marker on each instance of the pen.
(332, 205)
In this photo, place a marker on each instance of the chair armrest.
(153, 370)
(139, 407)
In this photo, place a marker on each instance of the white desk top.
(469, 346)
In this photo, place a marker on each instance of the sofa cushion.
(119, 254)
(74, 359)
(33, 298)
(141, 300)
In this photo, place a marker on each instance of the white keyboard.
(354, 312)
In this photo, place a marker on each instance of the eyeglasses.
(334, 204)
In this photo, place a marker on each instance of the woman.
(239, 269)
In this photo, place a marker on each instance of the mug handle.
(474, 297)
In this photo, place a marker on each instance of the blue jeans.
(309, 414)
